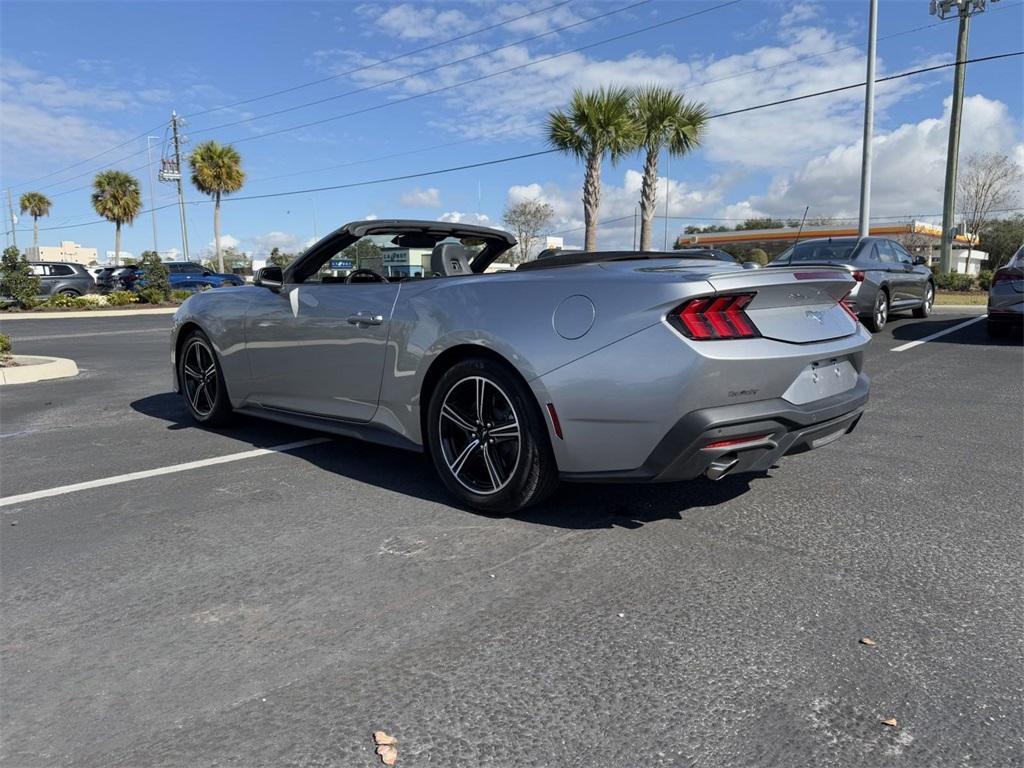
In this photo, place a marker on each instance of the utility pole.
(13, 221)
(668, 176)
(864, 223)
(152, 199)
(170, 170)
(945, 9)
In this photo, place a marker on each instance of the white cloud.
(460, 217)
(416, 22)
(421, 198)
(799, 12)
(907, 172)
(287, 242)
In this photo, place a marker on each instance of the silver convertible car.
(615, 366)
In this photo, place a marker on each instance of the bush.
(151, 295)
(17, 279)
(953, 281)
(156, 276)
(758, 256)
(62, 301)
(121, 298)
(5, 345)
(985, 279)
(180, 295)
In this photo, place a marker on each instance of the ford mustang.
(604, 366)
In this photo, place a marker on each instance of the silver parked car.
(1006, 297)
(583, 366)
(61, 277)
(888, 278)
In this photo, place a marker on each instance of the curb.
(4, 317)
(33, 368)
(980, 309)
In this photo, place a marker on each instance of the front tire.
(202, 382)
(929, 301)
(487, 439)
(879, 312)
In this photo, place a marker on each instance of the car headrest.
(450, 260)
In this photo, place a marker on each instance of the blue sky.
(79, 78)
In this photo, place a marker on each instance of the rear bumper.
(683, 453)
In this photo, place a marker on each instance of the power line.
(384, 61)
(426, 71)
(540, 153)
(480, 78)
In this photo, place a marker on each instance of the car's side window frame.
(902, 254)
(885, 252)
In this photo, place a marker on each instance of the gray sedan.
(617, 366)
(888, 279)
(1006, 297)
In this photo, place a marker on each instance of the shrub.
(953, 281)
(985, 279)
(5, 345)
(17, 280)
(62, 301)
(151, 294)
(758, 256)
(121, 298)
(180, 295)
(156, 276)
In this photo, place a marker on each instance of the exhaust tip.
(721, 466)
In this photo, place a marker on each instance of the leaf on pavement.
(867, 641)
(388, 754)
(381, 737)
(891, 722)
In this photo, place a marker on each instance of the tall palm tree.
(596, 123)
(117, 197)
(666, 121)
(35, 204)
(217, 170)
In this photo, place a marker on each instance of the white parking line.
(937, 334)
(6, 501)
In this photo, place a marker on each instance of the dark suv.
(65, 277)
(188, 274)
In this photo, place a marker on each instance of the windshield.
(818, 250)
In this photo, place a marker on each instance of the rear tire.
(69, 292)
(879, 312)
(929, 300)
(202, 382)
(487, 439)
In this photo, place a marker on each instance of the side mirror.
(207, 273)
(920, 261)
(269, 277)
(751, 265)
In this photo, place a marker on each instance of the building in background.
(918, 237)
(68, 250)
(405, 262)
(117, 260)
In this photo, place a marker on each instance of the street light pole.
(964, 9)
(864, 222)
(152, 199)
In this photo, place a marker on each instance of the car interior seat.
(450, 260)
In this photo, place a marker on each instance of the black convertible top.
(551, 258)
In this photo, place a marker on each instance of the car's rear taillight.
(1005, 276)
(858, 275)
(714, 317)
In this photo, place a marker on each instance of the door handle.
(365, 318)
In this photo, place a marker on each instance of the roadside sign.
(341, 263)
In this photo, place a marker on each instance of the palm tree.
(666, 121)
(596, 123)
(35, 204)
(217, 170)
(117, 197)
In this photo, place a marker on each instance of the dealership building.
(918, 237)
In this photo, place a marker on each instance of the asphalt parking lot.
(276, 609)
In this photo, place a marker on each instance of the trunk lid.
(795, 304)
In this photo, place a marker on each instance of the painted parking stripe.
(937, 334)
(6, 501)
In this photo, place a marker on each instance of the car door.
(915, 276)
(46, 281)
(319, 348)
(895, 274)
